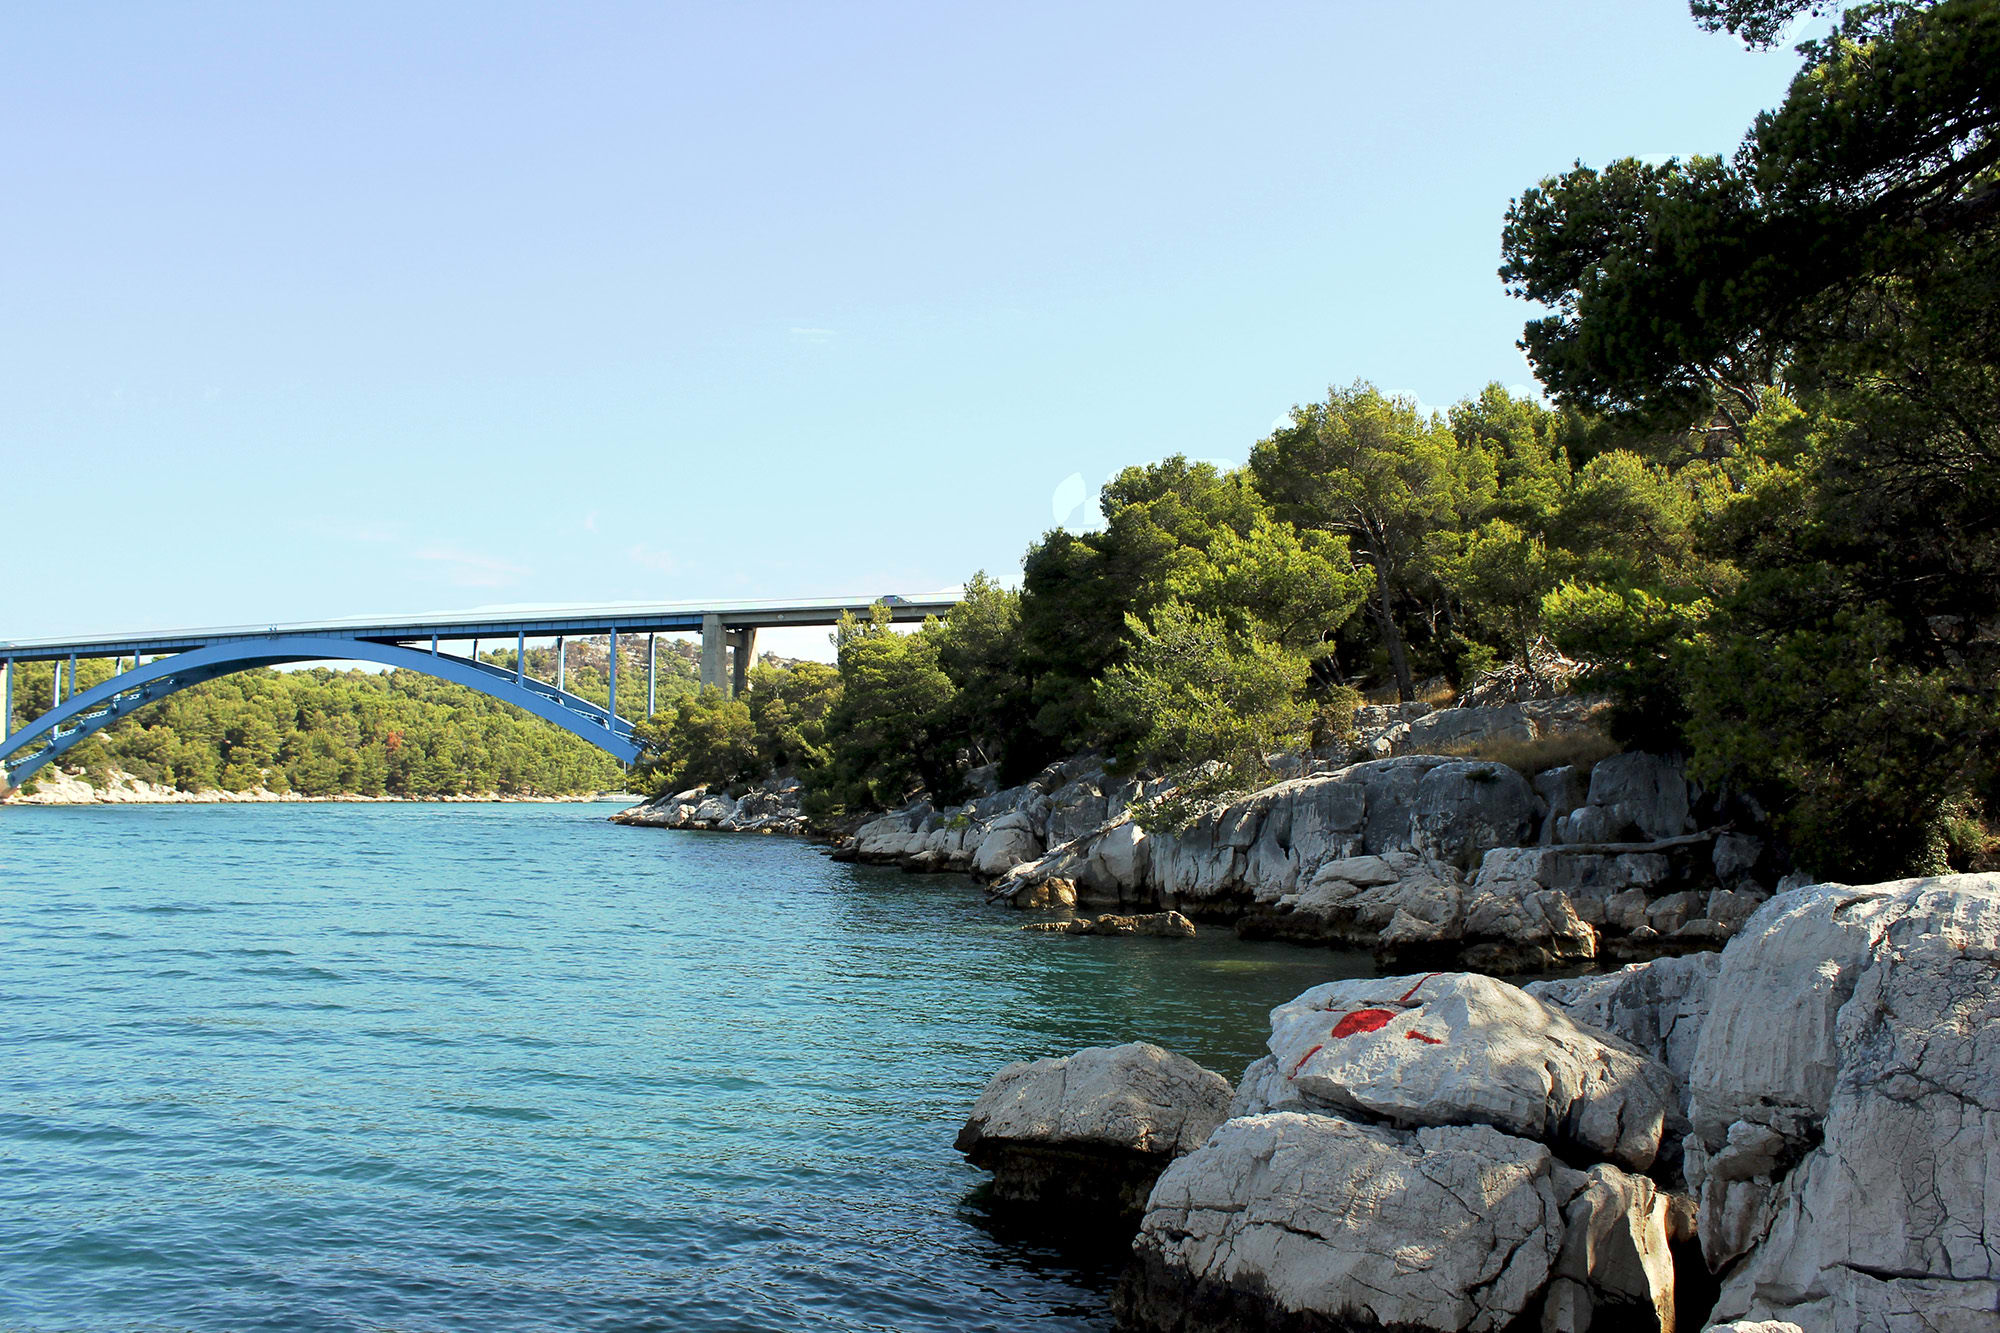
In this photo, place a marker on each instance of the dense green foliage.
(1824, 310)
(1217, 616)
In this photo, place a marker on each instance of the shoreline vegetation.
(1761, 513)
(1760, 506)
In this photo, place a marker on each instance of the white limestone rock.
(1846, 1110)
(1658, 1007)
(714, 809)
(1735, 856)
(1355, 899)
(1092, 1129)
(1076, 808)
(892, 835)
(1121, 859)
(1451, 730)
(1464, 809)
(1562, 791)
(1632, 796)
(1314, 1221)
(1459, 1048)
(1590, 880)
(1532, 932)
(1008, 842)
(1264, 1088)
(1614, 1269)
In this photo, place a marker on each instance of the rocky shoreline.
(127, 789)
(1781, 1116)
(1425, 859)
(1798, 1134)
(1428, 860)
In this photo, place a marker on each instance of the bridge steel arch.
(75, 719)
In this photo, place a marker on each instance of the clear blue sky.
(352, 308)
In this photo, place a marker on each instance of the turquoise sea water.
(511, 1067)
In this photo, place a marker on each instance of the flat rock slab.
(1457, 1048)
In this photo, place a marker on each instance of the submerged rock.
(1160, 925)
(1091, 1131)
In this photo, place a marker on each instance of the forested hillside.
(1762, 501)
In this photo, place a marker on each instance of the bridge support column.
(744, 642)
(520, 655)
(712, 650)
(7, 721)
(611, 673)
(652, 669)
(561, 655)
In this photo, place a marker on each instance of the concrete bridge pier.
(743, 645)
(726, 655)
(713, 650)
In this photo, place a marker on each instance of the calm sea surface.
(511, 1067)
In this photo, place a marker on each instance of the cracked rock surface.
(1457, 1048)
(1289, 1220)
(1659, 1007)
(1846, 1109)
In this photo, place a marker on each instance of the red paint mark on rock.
(1425, 1038)
(1420, 981)
(1302, 1061)
(1362, 1020)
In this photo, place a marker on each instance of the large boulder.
(1846, 1109)
(1076, 808)
(1659, 1007)
(1465, 809)
(1461, 730)
(1008, 842)
(1633, 797)
(894, 835)
(1290, 1221)
(1092, 1131)
(714, 809)
(1353, 899)
(1464, 1049)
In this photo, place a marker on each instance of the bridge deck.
(494, 622)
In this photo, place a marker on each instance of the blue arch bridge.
(154, 665)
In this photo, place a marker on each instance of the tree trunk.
(1406, 689)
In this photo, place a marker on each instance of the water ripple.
(499, 1068)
